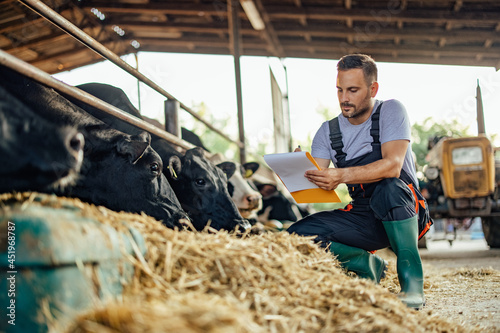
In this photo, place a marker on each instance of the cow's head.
(119, 171)
(241, 189)
(36, 155)
(202, 189)
(128, 176)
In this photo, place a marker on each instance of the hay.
(221, 282)
(194, 313)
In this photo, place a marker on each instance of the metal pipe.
(45, 79)
(65, 25)
(479, 111)
(234, 25)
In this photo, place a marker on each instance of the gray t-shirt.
(394, 125)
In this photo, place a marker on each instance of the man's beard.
(356, 113)
(364, 108)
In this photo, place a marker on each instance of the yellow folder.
(310, 195)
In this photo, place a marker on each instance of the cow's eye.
(200, 182)
(154, 167)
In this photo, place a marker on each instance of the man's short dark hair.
(363, 61)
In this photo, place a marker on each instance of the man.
(369, 144)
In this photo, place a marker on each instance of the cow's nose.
(253, 199)
(76, 142)
(243, 225)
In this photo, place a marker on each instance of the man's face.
(355, 96)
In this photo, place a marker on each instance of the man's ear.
(374, 89)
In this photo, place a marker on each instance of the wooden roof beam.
(408, 49)
(39, 42)
(390, 33)
(349, 22)
(417, 59)
(413, 15)
(219, 9)
(320, 13)
(269, 33)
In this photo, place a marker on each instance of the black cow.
(241, 189)
(200, 185)
(117, 97)
(35, 154)
(119, 170)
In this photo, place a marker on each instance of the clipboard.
(290, 169)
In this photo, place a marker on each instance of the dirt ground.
(462, 282)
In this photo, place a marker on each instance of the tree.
(213, 141)
(429, 129)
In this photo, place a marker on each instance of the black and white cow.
(35, 155)
(241, 188)
(119, 170)
(200, 186)
(278, 206)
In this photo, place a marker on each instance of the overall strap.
(336, 136)
(336, 139)
(375, 129)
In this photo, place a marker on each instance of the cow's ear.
(143, 136)
(228, 167)
(174, 166)
(196, 151)
(133, 149)
(250, 169)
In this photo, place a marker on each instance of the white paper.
(291, 167)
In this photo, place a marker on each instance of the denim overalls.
(359, 224)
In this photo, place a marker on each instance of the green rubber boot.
(361, 262)
(403, 237)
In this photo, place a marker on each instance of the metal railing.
(44, 78)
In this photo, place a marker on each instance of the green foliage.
(324, 112)
(428, 129)
(212, 140)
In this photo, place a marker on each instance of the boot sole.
(416, 306)
(385, 267)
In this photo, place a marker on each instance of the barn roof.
(450, 32)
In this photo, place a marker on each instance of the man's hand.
(327, 179)
(393, 153)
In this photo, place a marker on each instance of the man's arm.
(323, 162)
(393, 155)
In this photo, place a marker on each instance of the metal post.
(172, 117)
(286, 104)
(479, 110)
(138, 82)
(234, 33)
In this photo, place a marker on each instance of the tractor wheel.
(491, 230)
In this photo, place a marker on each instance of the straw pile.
(220, 282)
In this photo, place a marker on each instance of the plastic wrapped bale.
(57, 263)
